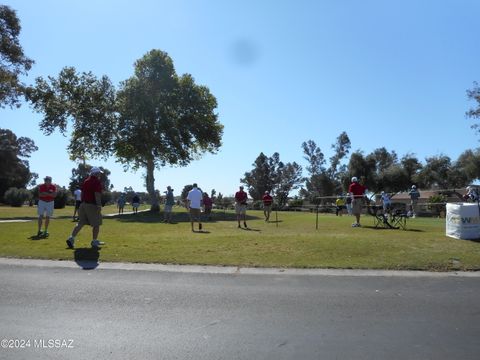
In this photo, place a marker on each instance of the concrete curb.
(230, 270)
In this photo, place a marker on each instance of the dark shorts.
(77, 204)
(89, 214)
(194, 214)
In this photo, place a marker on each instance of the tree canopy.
(474, 94)
(164, 118)
(13, 62)
(156, 118)
(14, 168)
(270, 174)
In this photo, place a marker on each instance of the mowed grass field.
(293, 241)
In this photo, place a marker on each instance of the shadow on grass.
(149, 217)
(250, 229)
(390, 229)
(36, 237)
(24, 218)
(87, 258)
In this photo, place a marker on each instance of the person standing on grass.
(339, 205)
(241, 206)
(46, 196)
(90, 211)
(348, 203)
(414, 196)
(78, 200)
(194, 203)
(169, 202)
(386, 202)
(358, 192)
(121, 203)
(207, 206)
(267, 205)
(135, 203)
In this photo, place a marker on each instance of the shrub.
(437, 199)
(61, 198)
(17, 197)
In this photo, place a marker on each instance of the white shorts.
(240, 209)
(45, 207)
(135, 205)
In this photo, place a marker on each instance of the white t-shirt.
(195, 197)
(78, 194)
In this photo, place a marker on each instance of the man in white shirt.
(194, 203)
(78, 200)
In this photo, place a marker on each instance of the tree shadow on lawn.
(24, 218)
(149, 217)
(87, 258)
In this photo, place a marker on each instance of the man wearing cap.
(267, 205)
(358, 191)
(46, 196)
(90, 209)
(241, 206)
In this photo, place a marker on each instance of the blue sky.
(389, 73)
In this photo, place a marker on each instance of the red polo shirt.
(90, 186)
(357, 190)
(241, 197)
(44, 188)
(267, 200)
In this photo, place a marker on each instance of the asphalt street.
(71, 313)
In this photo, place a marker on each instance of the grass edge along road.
(293, 242)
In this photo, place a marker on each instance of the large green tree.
(323, 181)
(156, 118)
(84, 102)
(164, 118)
(13, 62)
(14, 169)
(271, 174)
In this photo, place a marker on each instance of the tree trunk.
(150, 183)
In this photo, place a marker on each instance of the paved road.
(123, 314)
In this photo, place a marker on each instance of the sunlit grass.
(291, 242)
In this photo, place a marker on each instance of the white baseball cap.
(354, 179)
(95, 170)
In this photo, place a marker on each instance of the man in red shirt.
(241, 206)
(46, 196)
(358, 192)
(267, 205)
(90, 211)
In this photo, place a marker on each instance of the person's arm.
(98, 199)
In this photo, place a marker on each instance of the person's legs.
(40, 221)
(47, 221)
(95, 232)
(238, 211)
(76, 230)
(244, 216)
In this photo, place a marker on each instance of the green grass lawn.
(292, 242)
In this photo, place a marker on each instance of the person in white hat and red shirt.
(358, 192)
(90, 211)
